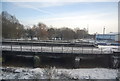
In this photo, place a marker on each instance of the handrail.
(61, 49)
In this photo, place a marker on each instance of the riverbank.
(53, 73)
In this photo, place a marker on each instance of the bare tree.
(42, 31)
(51, 33)
(81, 33)
(67, 33)
(11, 28)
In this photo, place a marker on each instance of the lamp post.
(103, 32)
(17, 31)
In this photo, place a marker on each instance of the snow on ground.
(96, 73)
(109, 48)
(53, 73)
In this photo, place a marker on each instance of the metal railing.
(57, 49)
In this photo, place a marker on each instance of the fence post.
(52, 49)
(31, 47)
(82, 49)
(101, 50)
(11, 47)
(41, 48)
(11, 44)
(72, 49)
(62, 49)
(110, 50)
(92, 50)
(21, 47)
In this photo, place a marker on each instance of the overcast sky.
(92, 15)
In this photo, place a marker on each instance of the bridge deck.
(8, 52)
(52, 43)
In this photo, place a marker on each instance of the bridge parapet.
(57, 49)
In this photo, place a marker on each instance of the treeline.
(11, 28)
(41, 31)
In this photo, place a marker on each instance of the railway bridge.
(77, 53)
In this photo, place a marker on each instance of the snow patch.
(53, 73)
